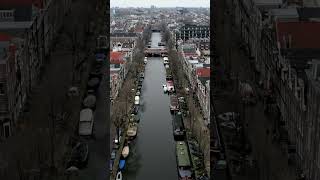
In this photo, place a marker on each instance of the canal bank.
(152, 154)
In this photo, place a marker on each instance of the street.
(98, 166)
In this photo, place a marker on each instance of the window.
(2, 89)
(6, 127)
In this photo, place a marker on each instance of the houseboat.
(174, 106)
(178, 127)
(170, 86)
(183, 161)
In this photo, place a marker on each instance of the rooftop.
(203, 72)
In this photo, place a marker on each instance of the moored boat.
(125, 151)
(137, 100)
(122, 164)
(134, 118)
(170, 86)
(183, 161)
(145, 60)
(165, 60)
(119, 176)
(178, 127)
(165, 89)
(174, 105)
(132, 130)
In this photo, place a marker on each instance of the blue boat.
(122, 164)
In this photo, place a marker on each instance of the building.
(19, 11)
(13, 90)
(203, 90)
(119, 68)
(27, 37)
(282, 46)
(192, 31)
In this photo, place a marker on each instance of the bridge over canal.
(156, 52)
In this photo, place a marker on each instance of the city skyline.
(162, 3)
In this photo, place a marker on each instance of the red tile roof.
(303, 34)
(116, 58)
(37, 3)
(203, 72)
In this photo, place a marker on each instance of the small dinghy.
(122, 164)
(119, 176)
(125, 151)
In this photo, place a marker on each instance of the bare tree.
(118, 116)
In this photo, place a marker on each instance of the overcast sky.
(160, 3)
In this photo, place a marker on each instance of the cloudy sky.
(160, 3)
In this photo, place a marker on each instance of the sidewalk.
(31, 144)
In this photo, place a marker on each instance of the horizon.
(160, 4)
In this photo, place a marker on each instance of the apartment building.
(27, 29)
(192, 30)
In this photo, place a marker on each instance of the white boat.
(119, 176)
(125, 151)
(165, 89)
(165, 60)
(145, 60)
(136, 100)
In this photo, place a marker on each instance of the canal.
(152, 155)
